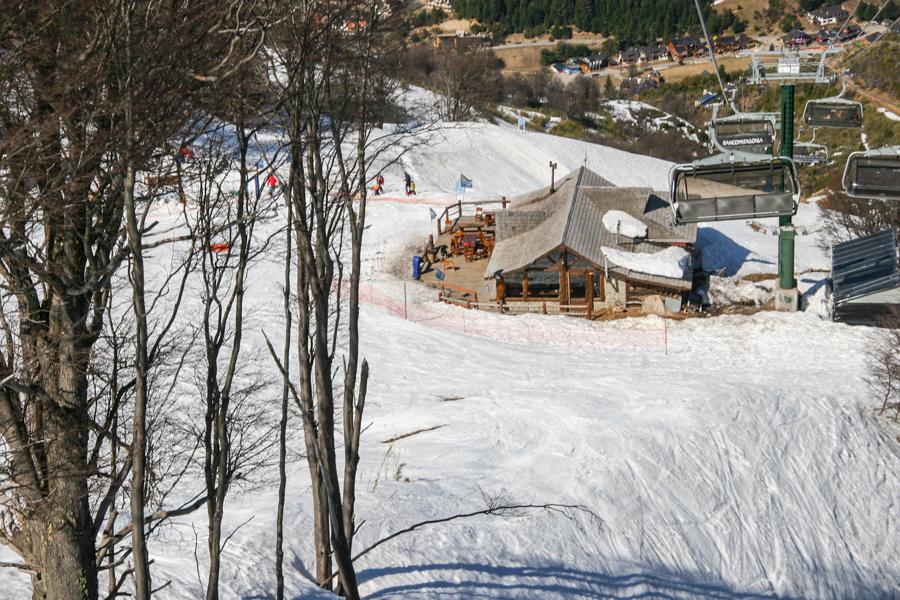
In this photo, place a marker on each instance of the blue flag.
(464, 182)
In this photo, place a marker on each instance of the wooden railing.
(452, 213)
(448, 288)
(516, 308)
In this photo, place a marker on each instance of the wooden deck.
(467, 274)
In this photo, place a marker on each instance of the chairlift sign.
(746, 139)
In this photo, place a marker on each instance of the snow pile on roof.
(619, 221)
(672, 262)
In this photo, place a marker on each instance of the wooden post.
(501, 289)
(602, 287)
(525, 287)
(564, 291)
(589, 293)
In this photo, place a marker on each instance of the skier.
(379, 180)
(411, 188)
(408, 181)
(377, 188)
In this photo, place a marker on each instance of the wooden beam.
(525, 286)
(589, 293)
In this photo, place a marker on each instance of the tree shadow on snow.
(492, 581)
(720, 253)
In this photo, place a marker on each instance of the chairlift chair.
(752, 133)
(833, 112)
(734, 186)
(837, 111)
(810, 153)
(873, 174)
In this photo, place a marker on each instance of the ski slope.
(728, 458)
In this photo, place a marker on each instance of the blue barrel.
(417, 267)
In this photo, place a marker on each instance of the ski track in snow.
(741, 463)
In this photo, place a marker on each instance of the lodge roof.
(539, 223)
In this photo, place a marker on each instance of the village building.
(589, 246)
(652, 53)
(797, 38)
(595, 62)
(866, 280)
(635, 86)
(829, 15)
(455, 41)
(687, 47)
(850, 32)
(629, 56)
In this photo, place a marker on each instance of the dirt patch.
(520, 60)
(454, 25)
(755, 277)
(676, 73)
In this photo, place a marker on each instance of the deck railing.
(453, 212)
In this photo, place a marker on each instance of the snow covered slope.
(502, 161)
(729, 458)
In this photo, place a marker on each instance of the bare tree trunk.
(139, 426)
(282, 425)
(305, 356)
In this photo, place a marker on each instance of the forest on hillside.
(633, 20)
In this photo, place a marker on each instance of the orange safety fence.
(414, 303)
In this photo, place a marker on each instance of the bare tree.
(337, 87)
(90, 91)
(884, 366)
(466, 82)
(223, 225)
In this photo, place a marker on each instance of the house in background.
(455, 41)
(681, 48)
(629, 56)
(652, 53)
(594, 62)
(797, 39)
(829, 15)
(593, 247)
(866, 280)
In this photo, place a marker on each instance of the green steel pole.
(786, 231)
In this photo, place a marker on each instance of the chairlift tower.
(787, 297)
(793, 67)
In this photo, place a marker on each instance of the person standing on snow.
(411, 188)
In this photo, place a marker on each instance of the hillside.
(645, 20)
(719, 467)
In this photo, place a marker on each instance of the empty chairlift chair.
(833, 112)
(734, 186)
(810, 153)
(753, 133)
(873, 174)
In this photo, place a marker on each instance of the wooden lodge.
(551, 252)
(553, 247)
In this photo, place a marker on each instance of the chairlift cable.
(837, 35)
(712, 54)
(880, 36)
